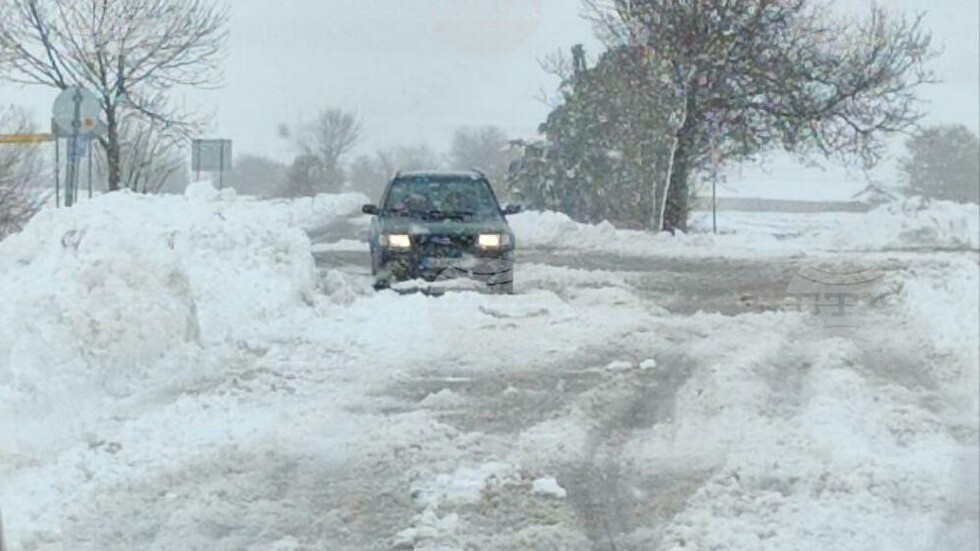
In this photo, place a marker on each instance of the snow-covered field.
(911, 225)
(178, 373)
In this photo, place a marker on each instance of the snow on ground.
(548, 486)
(826, 443)
(174, 374)
(309, 213)
(130, 298)
(911, 224)
(348, 245)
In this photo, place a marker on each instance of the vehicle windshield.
(439, 198)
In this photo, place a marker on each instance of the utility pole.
(714, 184)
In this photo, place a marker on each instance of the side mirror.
(511, 209)
(373, 210)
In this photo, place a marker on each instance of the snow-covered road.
(602, 404)
(672, 400)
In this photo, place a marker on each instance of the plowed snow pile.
(109, 288)
(910, 224)
(117, 316)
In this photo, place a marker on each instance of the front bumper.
(492, 268)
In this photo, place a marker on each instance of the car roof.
(442, 174)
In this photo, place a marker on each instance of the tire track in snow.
(613, 499)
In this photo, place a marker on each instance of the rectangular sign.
(79, 148)
(211, 155)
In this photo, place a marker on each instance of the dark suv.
(441, 225)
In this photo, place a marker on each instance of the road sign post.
(75, 117)
(57, 172)
(90, 169)
(221, 166)
(211, 156)
(71, 183)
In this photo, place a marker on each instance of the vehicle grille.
(444, 245)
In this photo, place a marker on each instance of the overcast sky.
(415, 70)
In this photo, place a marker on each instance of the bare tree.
(744, 76)
(151, 158)
(132, 53)
(304, 177)
(258, 175)
(485, 148)
(20, 169)
(330, 138)
(369, 175)
(407, 157)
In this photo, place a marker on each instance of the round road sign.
(88, 112)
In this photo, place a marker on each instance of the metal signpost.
(90, 170)
(76, 117)
(211, 156)
(57, 172)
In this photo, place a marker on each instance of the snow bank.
(107, 289)
(548, 486)
(303, 212)
(911, 224)
(200, 192)
(941, 304)
(309, 213)
(555, 229)
(132, 329)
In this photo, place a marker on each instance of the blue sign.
(78, 148)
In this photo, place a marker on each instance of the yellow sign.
(25, 138)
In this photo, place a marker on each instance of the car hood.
(442, 227)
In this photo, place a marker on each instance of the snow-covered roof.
(441, 174)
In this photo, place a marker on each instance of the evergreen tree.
(606, 146)
(943, 163)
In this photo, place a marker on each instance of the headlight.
(396, 241)
(493, 240)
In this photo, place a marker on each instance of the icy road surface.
(616, 402)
